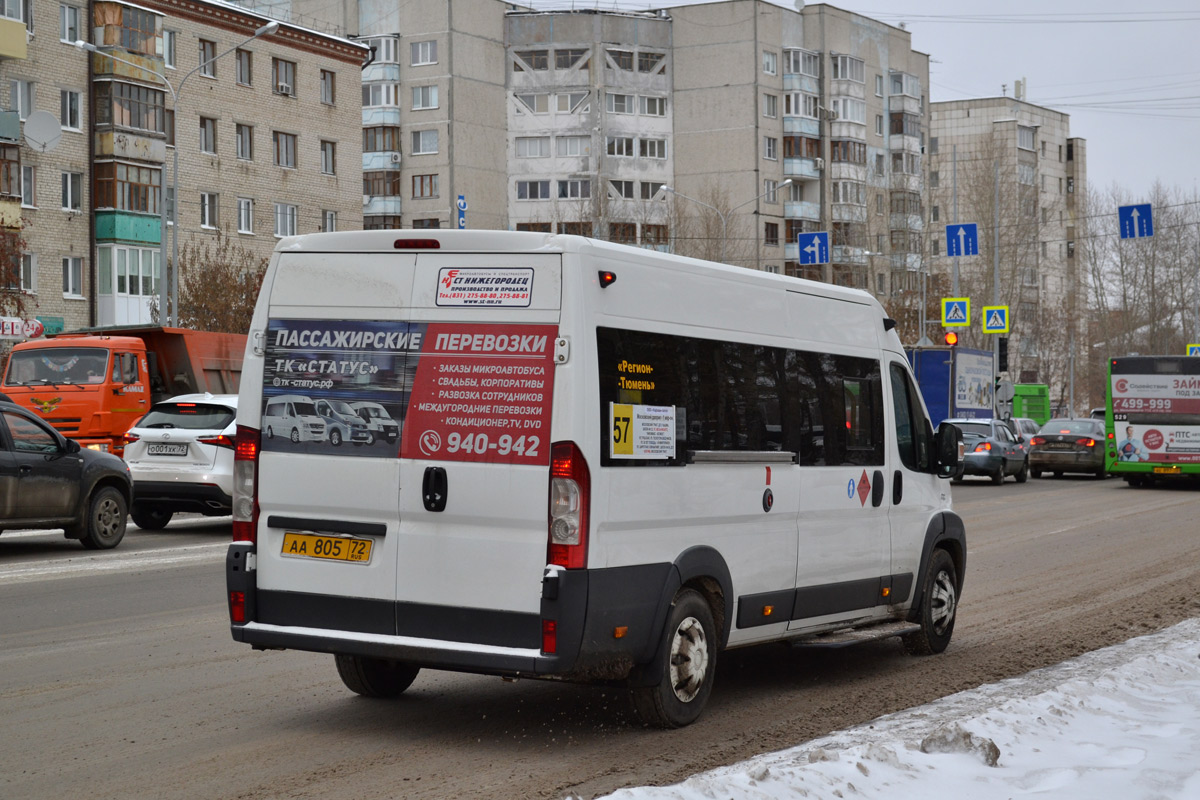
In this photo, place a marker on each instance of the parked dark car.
(991, 449)
(48, 481)
(1068, 445)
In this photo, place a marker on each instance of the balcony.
(127, 226)
(844, 254)
(102, 65)
(383, 160)
(10, 126)
(381, 71)
(126, 144)
(803, 126)
(380, 115)
(803, 168)
(13, 41)
(802, 210)
(381, 205)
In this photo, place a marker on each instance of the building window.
(879, 124)
(770, 106)
(10, 170)
(381, 139)
(380, 94)
(802, 62)
(653, 148)
(383, 51)
(328, 157)
(933, 179)
(536, 60)
(68, 24)
(935, 214)
(620, 146)
(621, 189)
(771, 234)
(801, 147)
(575, 228)
(208, 135)
(655, 235)
(29, 273)
(653, 106)
(536, 103)
(566, 59)
(905, 124)
(770, 63)
(650, 189)
(623, 232)
(770, 148)
(574, 189)
(853, 192)
(138, 33)
(621, 59)
(423, 53)
(906, 203)
(879, 86)
(72, 267)
(770, 191)
(169, 204)
(533, 190)
(22, 97)
(329, 221)
(72, 191)
(848, 68)
(283, 75)
(29, 185)
(424, 186)
(385, 183)
(169, 40)
(328, 87)
(424, 142)
(126, 187)
(244, 137)
(649, 62)
(933, 145)
(572, 146)
(424, 97)
(285, 149)
(209, 212)
(208, 58)
(245, 215)
(533, 227)
(285, 219)
(1025, 137)
(244, 67)
(130, 106)
(533, 146)
(619, 103)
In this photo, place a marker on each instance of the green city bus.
(1152, 415)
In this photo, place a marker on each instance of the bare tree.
(13, 299)
(219, 281)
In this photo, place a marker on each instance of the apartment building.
(266, 133)
(1014, 170)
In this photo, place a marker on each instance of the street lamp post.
(169, 313)
(726, 214)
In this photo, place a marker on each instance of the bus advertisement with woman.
(1153, 417)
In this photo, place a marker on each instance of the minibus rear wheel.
(690, 639)
(375, 677)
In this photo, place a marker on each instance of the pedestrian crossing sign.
(1193, 349)
(995, 319)
(956, 312)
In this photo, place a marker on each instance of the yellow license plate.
(333, 548)
(1167, 470)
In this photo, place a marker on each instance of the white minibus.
(613, 465)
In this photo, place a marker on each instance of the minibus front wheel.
(690, 640)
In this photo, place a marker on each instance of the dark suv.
(48, 481)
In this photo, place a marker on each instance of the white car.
(181, 458)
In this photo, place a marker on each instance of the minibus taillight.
(570, 489)
(245, 484)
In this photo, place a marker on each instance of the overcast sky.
(1129, 75)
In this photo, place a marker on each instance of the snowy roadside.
(1119, 722)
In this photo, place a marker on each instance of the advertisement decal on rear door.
(482, 393)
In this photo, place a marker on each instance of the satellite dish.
(42, 131)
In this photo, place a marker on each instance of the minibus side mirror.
(948, 445)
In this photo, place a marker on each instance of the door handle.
(897, 487)
(433, 488)
(877, 489)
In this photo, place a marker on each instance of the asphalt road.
(118, 677)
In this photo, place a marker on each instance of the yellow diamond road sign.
(956, 312)
(995, 319)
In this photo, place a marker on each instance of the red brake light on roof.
(1065, 430)
(417, 244)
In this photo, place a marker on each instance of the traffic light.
(1002, 362)
(951, 338)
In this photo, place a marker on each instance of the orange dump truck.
(92, 385)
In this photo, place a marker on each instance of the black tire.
(1101, 473)
(375, 677)
(1037, 473)
(1023, 474)
(295, 437)
(370, 437)
(270, 433)
(335, 437)
(149, 518)
(957, 479)
(998, 476)
(1058, 474)
(939, 607)
(690, 639)
(104, 527)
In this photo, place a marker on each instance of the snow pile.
(1120, 722)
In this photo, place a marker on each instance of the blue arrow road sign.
(462, 211)
(814, 247)
(1136, 221)
(962, 240)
